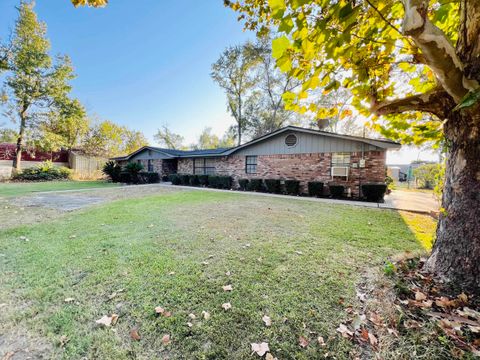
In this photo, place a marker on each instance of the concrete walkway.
(412, 201)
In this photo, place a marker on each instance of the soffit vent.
(291, 140)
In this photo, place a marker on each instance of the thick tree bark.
(456, 252)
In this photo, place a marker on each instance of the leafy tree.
(428, 175)
(8, 136)
(168, 139)
(233, 72)
(366, 46)
(269, 113)
(133, 140)
(207, 140)
(33, 86)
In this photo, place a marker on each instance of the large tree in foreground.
(366, 46)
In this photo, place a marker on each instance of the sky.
(146, 63)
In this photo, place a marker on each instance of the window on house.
(340, 165)
(251, 164)
(204, 166)
(149, 165)
(341, 159)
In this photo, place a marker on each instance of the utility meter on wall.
(361, 163)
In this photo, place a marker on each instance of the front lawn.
(295, 261)
(19, 188)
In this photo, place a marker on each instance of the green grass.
(300, 268)
(19, 189)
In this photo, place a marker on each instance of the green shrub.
(243, 184)
(292, 187)
(184, 179)
(255, 185)
(315, 188)
(220, 182)
(165, 178)
(336, 191)
(374, 192)
(125, 177)
(149, 177)
(194, 181)
(133, 168)
(428, 175)
(273, 186)
(203, 180)
(112, 170)
(175, 179)
(45, 171)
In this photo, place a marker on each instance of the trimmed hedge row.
(372, 192)
(213, 181)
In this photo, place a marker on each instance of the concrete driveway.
(412, 201)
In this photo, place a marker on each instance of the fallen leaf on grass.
(376, 319)
(206, 315)
(189, 324)
(106, 320)
(419, 296)
(8, 355)
(346, 333)
(135, 335)
(373, 339)
(261, 349)
(364, 334)
(266, 319)
(228, 273)
(321, 342)
(270, 357)
(226, 306)
(205, 263)
(166, 339)
(171, 273)
(69, 300)
(64, 340)
(161, 311)
(303, 342)
(298, 252)
(192, 316)
(227, 288)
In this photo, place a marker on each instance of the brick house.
(288, 153)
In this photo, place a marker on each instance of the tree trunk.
(456, 252)
(18, 155)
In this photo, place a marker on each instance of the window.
(204, 166)
(340, 165)
(291, 140)
(149, 165)
(251, 164)
(341, 159)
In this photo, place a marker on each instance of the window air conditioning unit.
(340, 171)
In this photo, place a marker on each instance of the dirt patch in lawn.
(45, 206)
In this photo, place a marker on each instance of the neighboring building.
(30, 157)
(83, 166)
(288, 153)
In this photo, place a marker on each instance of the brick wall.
(303, 167)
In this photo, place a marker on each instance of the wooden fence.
(86, 167)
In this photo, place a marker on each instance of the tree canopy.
(375, 49)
